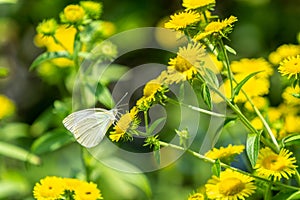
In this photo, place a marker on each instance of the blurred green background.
(263, 25)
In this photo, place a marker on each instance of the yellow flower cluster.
(53, 188)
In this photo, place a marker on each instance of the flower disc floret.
(276, 166)
(185, 64)
(290, 67)
(230, 186)
(181, 20)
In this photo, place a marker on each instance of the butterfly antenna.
(122, 99)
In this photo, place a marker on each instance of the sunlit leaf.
(294, 196)
(14, 130)
(206, 95)
(216, 168)
(18, 153)
(239, 86)
(4, 72)
(252, 147)
(51, 141)
(48, 56)
(291, 139)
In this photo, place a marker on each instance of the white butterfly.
(90, 125)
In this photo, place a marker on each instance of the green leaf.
(51, 141)
(216, 168)
(153, 126)
(294, 196)
(4, 72)
(206, 95)
(48, 56)
(18, 153)
(8, 1)
(113, 73)
(230, 49)
(14, 130)
(212, 78)
(252, 147)
(104, 96)
(296, 95)
(291, 139)
(241, 84)
(282, 195)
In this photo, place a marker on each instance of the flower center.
(182, 64)
(151, 88)
(231, 186)
(274, 163)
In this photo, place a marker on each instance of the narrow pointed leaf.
(155, 124)
(206, 95)
(242, 83)
(48, 56)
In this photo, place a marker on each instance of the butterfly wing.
(90, 125)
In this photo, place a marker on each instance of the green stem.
(197, 109)
(146, 122)
(206, 159)
(297, 177)
(227, 65)
(266, 125)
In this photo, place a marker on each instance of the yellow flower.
(230, 186)
(259, 102)
(274, 114)
(247, 66)
(65, 35)
(257, 123)
(216, 27)
(194, 4)
(93, 9)
(277, 166)
(186, 64)
(47, 27)
(225, 152)
(196, 196)
(87, 191)
(291, 124)
(253, 87)
(73, 14)
(284, 51)
(153, 92)
(72, 184)
(182, 20)
(290, 67)
(288, 97)
(123, 125)
(49, 188)
(7, 107)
